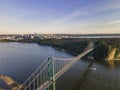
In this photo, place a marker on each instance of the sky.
(59, 16)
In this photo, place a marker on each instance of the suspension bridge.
(50, 70)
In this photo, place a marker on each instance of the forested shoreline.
(105, 48)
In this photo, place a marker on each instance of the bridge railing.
(59, 63)
(35, 79)
(41, 75)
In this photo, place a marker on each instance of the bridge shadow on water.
(82, 79)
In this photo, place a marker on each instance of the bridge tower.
(51, 73)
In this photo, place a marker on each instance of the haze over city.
(59, 16)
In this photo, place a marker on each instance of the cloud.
(76, 3)
(113, 22)
(114, 4)
(69, 17)
(80, 11)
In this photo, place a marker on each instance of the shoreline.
(62, 45)
(9, 82)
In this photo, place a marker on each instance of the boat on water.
(90, 58)
(92, 68)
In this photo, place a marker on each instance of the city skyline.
(59, 16)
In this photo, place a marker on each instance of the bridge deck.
(62, 71)
(42, 78)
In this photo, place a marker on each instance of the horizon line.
(61, 33)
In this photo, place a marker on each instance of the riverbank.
(10, 82)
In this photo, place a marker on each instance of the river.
(19, 60)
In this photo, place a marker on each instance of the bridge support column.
(51, 72)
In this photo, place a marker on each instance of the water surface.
(19, 60)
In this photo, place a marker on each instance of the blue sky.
(60, 16)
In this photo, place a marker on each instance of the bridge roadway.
(63, 70)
